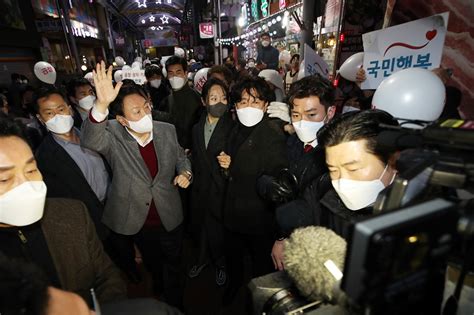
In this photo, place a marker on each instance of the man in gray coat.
(148, 165)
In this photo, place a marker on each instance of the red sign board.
(206, 30)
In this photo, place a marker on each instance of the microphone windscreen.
(307, 253)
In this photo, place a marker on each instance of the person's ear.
(265, 107)
(331, 112)
(122, 120)
(392, 161)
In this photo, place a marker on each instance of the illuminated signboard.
(265, 7)
(254, 9)
(83, 30)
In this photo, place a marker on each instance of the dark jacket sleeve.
(108, 284)
(273, 61)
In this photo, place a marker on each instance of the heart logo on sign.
(431, 34)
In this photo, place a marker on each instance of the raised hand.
(105, 90)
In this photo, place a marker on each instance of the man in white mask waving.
(148, 166)
(69, 170)
(57, 235)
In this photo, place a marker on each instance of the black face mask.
(217, 110)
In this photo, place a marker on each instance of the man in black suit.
(209, 138)
(156, 85)
(256, 147)
(69, 171)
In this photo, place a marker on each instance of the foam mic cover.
(314, 259)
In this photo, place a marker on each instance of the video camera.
(395, 260)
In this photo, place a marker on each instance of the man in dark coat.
(256, 147)
(155, 85)
(268, 55)
(68, 170)
(55, 234)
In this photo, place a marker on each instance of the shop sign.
(138, 76)
(119, 40)
(48, 25)
(265, 7)
(206, 30)
(416, 44)
(282, 4)
(159, 42)
(83, 30)
(243, 13)
(254, 10)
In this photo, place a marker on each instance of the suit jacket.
(77, 253)
(132, 188)
(209, 183)
(64, 179)
(262, 153)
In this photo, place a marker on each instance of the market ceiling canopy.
(152, 13)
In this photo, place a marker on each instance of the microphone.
(314, 258)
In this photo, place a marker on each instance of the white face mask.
(87, 102)
(177, 82)
(347, 109)
(155, 83)
(250, 116)
(24, 204)
(307, 130)
(265, 43)
(251, 64)
(358, 194)
(60, 124)
(143, 125)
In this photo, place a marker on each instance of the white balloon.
(178, 51)
(412, 93)
(200, 79)
(285, 56)
(119, 61)
(273, 77)
(89, 77)
(118, 76)
(301, 73)
(139, 59)
(136, 65)
(165, 73)
(163, 60)
(45, 72)
(351, 66)
(126, 67)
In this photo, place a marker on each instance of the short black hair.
(220, 69)
(175, 60)
(153, 70)
(23, 288)
(210, 83)
(45, 92)
(12, 128)
(116, 108)
(359, 125)
(314, 85)
(127, 83)
(75, 83)
(264, 34)
(247, 84)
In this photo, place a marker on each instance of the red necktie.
(308, 148)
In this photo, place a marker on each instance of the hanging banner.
(207, 30)
(313, 63)
(416, 44)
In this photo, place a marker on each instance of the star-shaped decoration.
(164, 19)
(141, 3)
(153, 28)
(160, 28)
(152, 18)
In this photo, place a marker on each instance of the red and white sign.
(206, 30)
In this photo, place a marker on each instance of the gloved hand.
(279, 110)
(278, 192)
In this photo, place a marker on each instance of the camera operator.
(359, 169)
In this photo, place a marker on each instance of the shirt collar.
(314, 143)
(63, 141)
(140, 142)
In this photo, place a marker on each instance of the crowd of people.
(92, 173)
